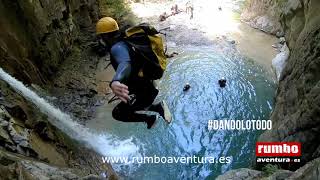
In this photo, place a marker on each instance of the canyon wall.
(36, 36)
(296, 115)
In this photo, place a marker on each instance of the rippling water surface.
(248, 95)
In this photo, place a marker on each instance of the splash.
(104, 144)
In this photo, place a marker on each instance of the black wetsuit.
(123, 61)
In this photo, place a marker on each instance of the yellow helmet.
(106, 25)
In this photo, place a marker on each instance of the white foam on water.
(104, 144)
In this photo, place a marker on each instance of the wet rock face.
(264, 15)
(31, 146)
(242, 173)
(36, 36)
(17, 167)
(306, 172)
(296, 116)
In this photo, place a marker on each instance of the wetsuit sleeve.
(121, 56)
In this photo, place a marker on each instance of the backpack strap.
(150, 30)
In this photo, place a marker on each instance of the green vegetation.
(242, 4)
(281, 3)
(236, 15)
(270, 169)
(118, 9)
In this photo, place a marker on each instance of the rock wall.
(296, 116)
(36, 36)
(263, 15)
(46, 43)
(31, 147)
(307, 172)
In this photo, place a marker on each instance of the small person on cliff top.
(189, 9)
(135, 92)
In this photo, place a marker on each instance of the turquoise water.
(248, 95)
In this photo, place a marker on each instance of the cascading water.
(104, 144)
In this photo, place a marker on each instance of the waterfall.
(104, 144)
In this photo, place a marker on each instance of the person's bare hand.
(120, 90)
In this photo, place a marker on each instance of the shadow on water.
(248, 95)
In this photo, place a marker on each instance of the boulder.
(280, 175)
(309, 171)
(16, 167)
(4, 135)
(279, 62)
(241, 174)
(282, 40)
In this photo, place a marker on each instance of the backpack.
(147, 44)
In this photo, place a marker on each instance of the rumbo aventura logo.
(278, 152)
